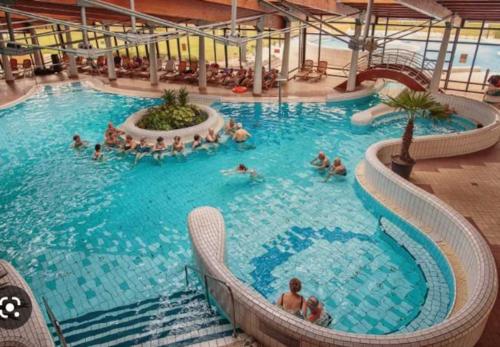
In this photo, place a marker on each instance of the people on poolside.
(78, 142)
(178, 145)
(336, 169)
(292, 302)
(212, 137)
(315, 312)
(141, 150)
(321, 161)
(240, 134)
(129, 144)
(97, 153)
(159, 148)
(230, 127)
(196, 142)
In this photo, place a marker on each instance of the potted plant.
(413, 104)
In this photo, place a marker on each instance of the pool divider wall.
(272, 326)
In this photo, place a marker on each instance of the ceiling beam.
(428, 7)
(330, 6)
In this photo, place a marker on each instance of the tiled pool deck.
(471, 185)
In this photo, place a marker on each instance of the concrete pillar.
(436, 76)
(355, 46)
(257, 79)
(153, 62)
(202, 66)
(72, 68)
(109, 56)
(38, 53)
(9, 77)
(285, 60)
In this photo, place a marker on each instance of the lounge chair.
(169, 70)
(306, 69)
(28, 67)
(14, 66)
(181, 70)
(320, 71)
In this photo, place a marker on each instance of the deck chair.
(169, 70)
(14, 66)
(320, 71)
(28, 67)
(306, 69)
(181, 70)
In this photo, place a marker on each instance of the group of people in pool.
(116, 138)
(322, 163)
(311, 309)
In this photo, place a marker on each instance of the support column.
(257, 79)
(38, 53)
(354, 44)
(153, 62)
(285, 60)
(109, 56)
(436, 76)
(202, 66)
(9, 77)
(72, 68)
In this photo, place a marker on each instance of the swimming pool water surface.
(93, 235)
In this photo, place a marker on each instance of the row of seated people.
(181, 72)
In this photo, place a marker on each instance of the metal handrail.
(55, 323)
(397, 56)
(205, 280)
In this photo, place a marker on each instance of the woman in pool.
(336, 169)
(112, 135)
(315, 312)
(292, 302)
(141, 150)
(240, 135)
(321, 161)
(177, 146)
(78, 143)
(98, 153)
(159, 148)
(196, 142)
(129, 144)
(212, 137)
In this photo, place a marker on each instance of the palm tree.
(415, 104)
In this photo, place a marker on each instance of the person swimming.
(212, 137)
(292, 302)
(240, 134)
(141, 150)
(321, 161)
(336, 169)
(98, 153)
(315, 312)
(129, 144)
(241, 169)
(178, 145)
(196, 142)
(159, 148)
(230, 127)
(78, 143)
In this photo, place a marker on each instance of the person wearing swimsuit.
(212, 137)
(336, 169)
(292, 302)
(321, 162)
(129, 144)
(141, 150)
(317, 313)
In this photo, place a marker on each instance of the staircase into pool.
(181, 319)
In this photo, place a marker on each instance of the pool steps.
(180, 319)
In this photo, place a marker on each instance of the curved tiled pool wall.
(271, 326)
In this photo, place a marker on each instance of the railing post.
(186, 275)
(207, 296)
(55, 323)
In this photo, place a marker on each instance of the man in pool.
(129, 144)
(315, 312)
(336, 169)
(141, 150)
(112, 135)
(240, 134)
(230, 127)
(212, 137)
(78, 143)
(196, 142)
(241, 169)
(321, 162)
(177, 146)
(159, 149)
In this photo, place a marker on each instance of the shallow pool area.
(93, 235)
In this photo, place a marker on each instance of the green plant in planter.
(413, 104)
(174, 113)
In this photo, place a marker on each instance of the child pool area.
(92, 235)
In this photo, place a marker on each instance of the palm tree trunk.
(406, 143)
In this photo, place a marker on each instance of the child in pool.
(159, 149)
(141, 150)
(98, 153)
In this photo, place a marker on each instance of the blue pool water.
(90, 236)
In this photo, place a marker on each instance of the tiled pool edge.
(271, 326)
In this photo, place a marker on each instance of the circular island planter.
(214, 121)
